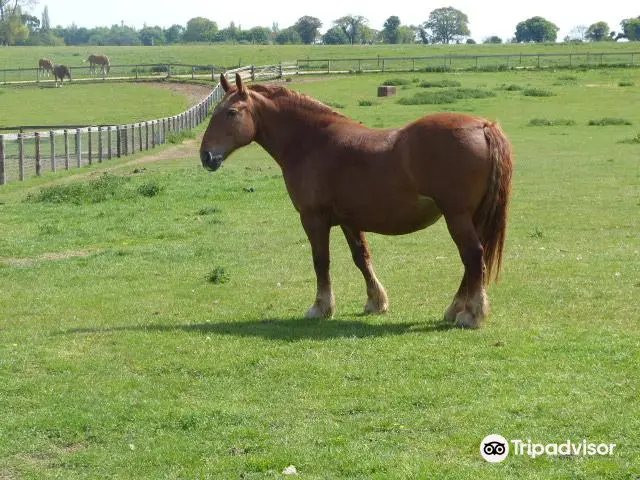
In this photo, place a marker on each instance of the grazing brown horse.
(45, 66)
(102, 61)
(61, 71)
(389, 181)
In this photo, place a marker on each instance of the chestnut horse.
(61, 71)
(45, 66)
(389, 181)
(102, 61)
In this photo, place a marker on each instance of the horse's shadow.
(287, 329)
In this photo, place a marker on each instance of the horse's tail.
(491, 217)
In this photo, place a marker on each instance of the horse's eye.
(232, 112)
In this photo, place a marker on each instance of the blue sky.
(488, 17)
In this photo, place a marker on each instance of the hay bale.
(386, 91)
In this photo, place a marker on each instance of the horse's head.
(232, 125)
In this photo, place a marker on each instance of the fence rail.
(466, 62)
(125, 72)
(27, 154)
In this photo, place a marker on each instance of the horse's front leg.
(377, 301)
(317, 228)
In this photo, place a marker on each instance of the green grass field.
(151, 322)
(234, 55)
(87, 104)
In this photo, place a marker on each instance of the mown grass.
(234, 55)
(82, 104)
(120, 359)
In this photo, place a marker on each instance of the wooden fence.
(464, 62)
(116, 72)
(27, 154)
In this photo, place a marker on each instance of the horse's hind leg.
(469, 306)
(317, 229)
(377, 301)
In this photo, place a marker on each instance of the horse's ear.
(224, 83)
(239, 84)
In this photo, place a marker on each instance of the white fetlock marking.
(324, 307)
(378, 302)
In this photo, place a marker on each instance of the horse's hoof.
(452, 312)
(466, 319)
(319, 312)
(376, 307)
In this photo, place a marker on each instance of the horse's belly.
(392, 218)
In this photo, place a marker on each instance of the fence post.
(89, 144)
(125, 140)
(153, 134)
(99, 144)
(146, 134)
(21, 156)
(133, 138)
(109, 148)
(118, 141)
(3, 171)
(38, 163)
(140, 137)
(52, 141)
(66, 149)
(193, 72)
(78, 147)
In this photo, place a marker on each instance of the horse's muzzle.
(211, 161)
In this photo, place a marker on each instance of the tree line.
(444, 25)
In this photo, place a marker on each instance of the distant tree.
(75, 35)
(424, 35)
(577, 33)
(308, 28)
(407, 33)
(597, 32)
(12, 30)
(492, 39)
(536, 29)
(174, 33)
(630, 29)
(122, 35)
(259, 35)
(391, 30)
(45, 24)
(446, 25)
(352, 25)
(369, 35)
(152, 36)
(230, 34)
(31, 22)
(200, 29)
(99, 36)
(10, 9)
(335, 36)
(288, 36)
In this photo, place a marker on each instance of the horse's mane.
(285, 98)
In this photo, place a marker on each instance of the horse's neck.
(286, 133)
